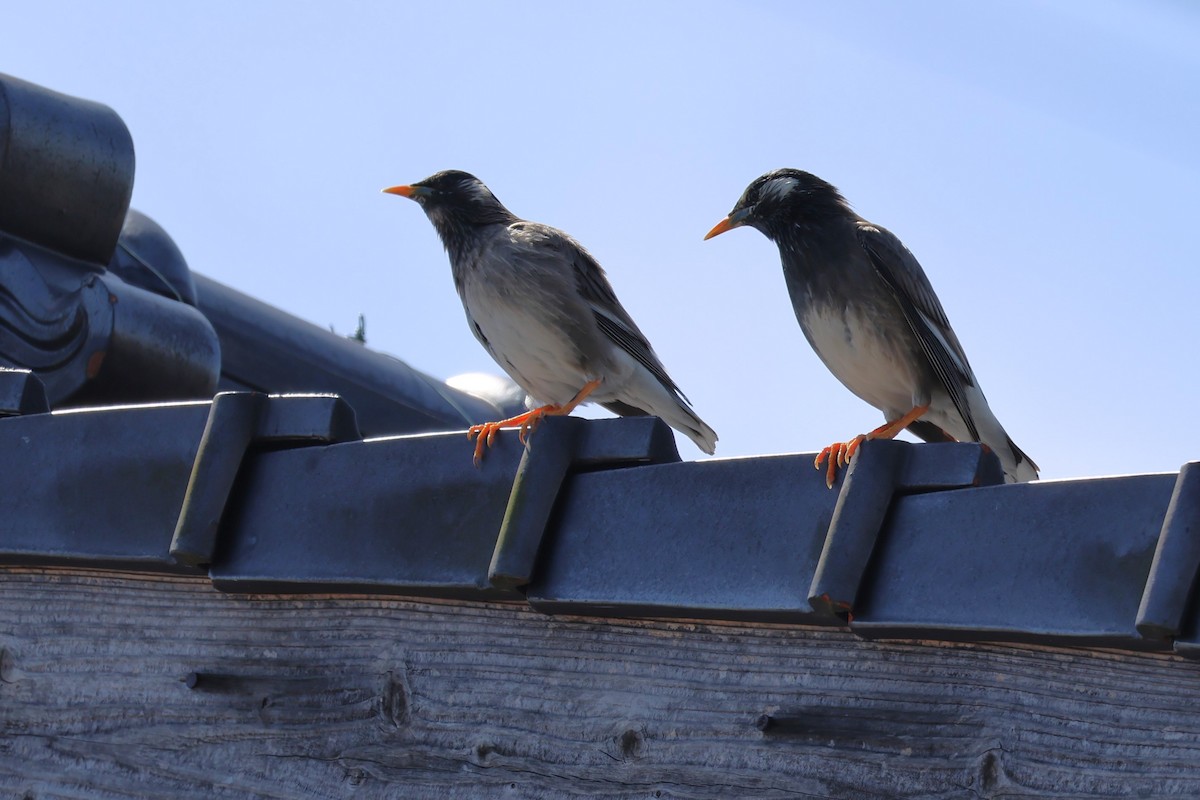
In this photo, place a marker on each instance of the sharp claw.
(528, 427)
(841, 453)
(838, 455)
(483, 436)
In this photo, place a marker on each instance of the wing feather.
(924, 313)
(543, 241)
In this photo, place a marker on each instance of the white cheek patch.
(479, 193)
(778, 188)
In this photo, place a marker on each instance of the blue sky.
(1039, 159)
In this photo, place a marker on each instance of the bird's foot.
(839, 455)
(483, 435)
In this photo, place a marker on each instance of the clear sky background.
(1040, 159)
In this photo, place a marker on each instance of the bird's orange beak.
(736, 219)
(726, 224)
(403, 191)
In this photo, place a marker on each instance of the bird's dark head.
(455, 201)
(779, 201)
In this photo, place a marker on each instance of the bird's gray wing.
(595, 290)
(614, 320)
(926, 317)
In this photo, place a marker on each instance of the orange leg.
(485, 434)
(840, 453)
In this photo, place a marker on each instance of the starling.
(543, 308)
(870, 314)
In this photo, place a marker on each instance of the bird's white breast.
(528, 343)
(860, 355)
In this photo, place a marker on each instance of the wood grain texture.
(118, 685)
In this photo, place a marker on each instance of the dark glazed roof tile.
(66, 171)
(599, 517)
(21, 393)
(1060, 560)
(728, 538)
(404, 514)
(101, 488)
(1169, 603)
(733, 538)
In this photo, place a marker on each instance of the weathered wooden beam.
(133, 685)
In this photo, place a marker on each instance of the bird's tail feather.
(679, 417)
(1020, 467)
(696, 429)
